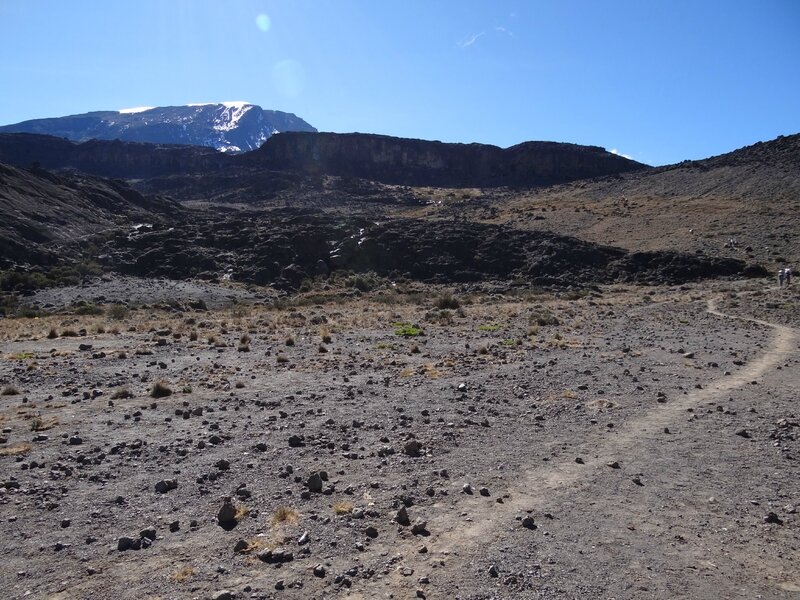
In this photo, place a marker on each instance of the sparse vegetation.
(183, 574)
(87, 308)
(325, 335)
(407, 330)
(10, 390)
(447, 301)
(543, 318)
(160, 389)
(16, 449)
(242, 511)
(285, 514)
(118, 312)
(121, 393)
(40, 424)
(343, 508)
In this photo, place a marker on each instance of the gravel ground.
(633, 443)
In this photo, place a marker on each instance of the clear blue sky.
(661, 81)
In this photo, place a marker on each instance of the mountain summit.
(226, 126)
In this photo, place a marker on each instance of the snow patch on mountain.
(135, 109)
(229, 116)
(229, 104)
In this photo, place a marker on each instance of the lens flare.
(263, 22)
(289, 77)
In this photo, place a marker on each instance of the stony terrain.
(630, 443)
(294, 374)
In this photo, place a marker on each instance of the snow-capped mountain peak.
(234, 126)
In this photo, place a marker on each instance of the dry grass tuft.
(325, 335)
(39, 424)
(160, 389)
(285, 514)
(16, 450)
(10, 390)
(122, 393)
(183, 574)
(343, 508)
(241, 512)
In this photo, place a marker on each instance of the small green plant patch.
(407, 330)
(489, 327)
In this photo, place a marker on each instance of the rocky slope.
(42, 212)
(104, 158)
(227, 126)
(750, 196)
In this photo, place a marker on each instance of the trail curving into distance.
(541, 487)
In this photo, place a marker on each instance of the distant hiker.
(788, 275)
(781, 277)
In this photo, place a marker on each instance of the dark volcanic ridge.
(286, 247)
(226, 126)
(378, 158)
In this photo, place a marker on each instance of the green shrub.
(407, 330)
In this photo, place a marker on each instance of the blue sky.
(661, 81)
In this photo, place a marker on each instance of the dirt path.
(640, 439)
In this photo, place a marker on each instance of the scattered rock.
(226, 517)
(771, 517)
(314, 483)
(165, 485)
(402, 517)
(413, 448)
(528, 522)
